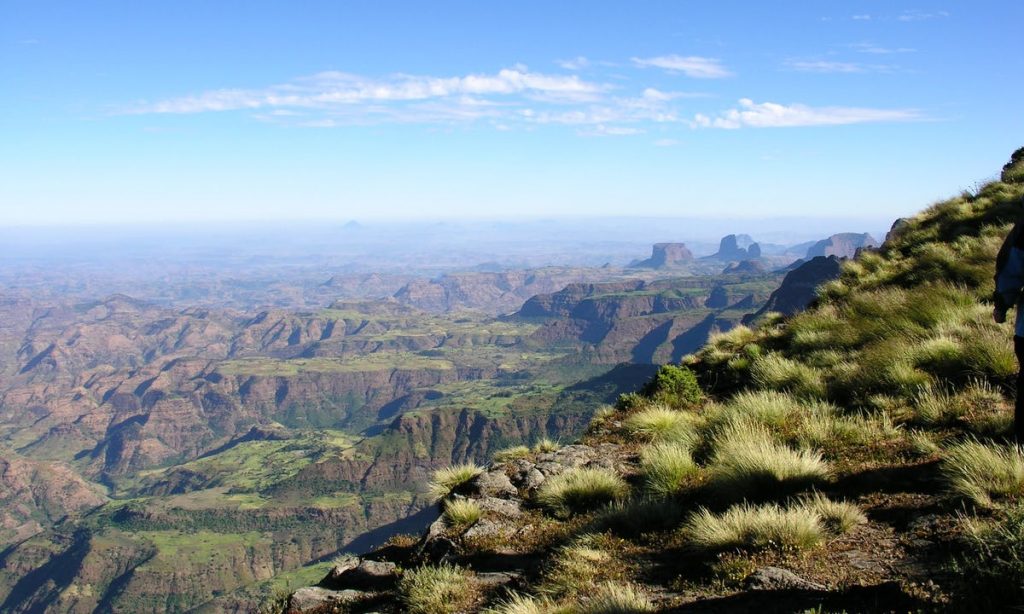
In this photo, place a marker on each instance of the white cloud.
(666, 142)
(604, 130)
(774, 115)
(691, 66)
(861, 17)
(337, 89)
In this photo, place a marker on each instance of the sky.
(197, 111)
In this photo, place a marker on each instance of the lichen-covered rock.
(493, 483)
(354, 573)
(776, 578)
(318, 599)
(509, 508)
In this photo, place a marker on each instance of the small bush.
(756, 527)
(442, 589)
(747, 462)
(580, 490)
(447, 480)
(667, 468)
(508, 454)
(659, 423)
(613, 598)
(461, 513)
(676, 386)
(630, 400)
(981, 473)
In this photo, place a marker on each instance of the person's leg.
(1018, 414)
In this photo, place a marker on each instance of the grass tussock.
(984, 473)
(545, 445)
(440, 589)
(511, 453)
(637, 516)
(447, 480)
(838, 516)
(578, 568)
(755, 527)
(749, 463)
(614, 598)
(990, 573)
(661, 423)
(523, 604)
(581, 490)
(462, 513)
(668, 468)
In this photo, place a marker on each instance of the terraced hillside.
(855, 457)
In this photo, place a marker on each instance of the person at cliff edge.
(1009, 287)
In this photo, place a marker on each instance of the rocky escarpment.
(842, 245)
(737, 247)
(800, 286)
(666, 255)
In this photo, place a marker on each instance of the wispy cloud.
(872, 48)
(773, 115)
(667, 142)
(830, 66)
(337, 89)
(917, 15)
(577, 63)
(861, 17)
(692, 66)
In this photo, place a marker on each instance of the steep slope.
(850, 458)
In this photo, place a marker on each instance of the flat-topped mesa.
(842, 245)
(666, 255)
(737, 247)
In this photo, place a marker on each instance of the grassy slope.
(862, 444)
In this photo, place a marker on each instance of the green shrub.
(581, 490)
(441, 589)
(755, 527)
(676, 386)
(630, 400)
(981, 473)
(660, 423)
(747, 462)
(447, 480)
(667, 468)
(461, 513)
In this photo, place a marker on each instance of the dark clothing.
(1018, 413)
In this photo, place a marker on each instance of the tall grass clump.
(581, 490)
(776, 372)
(755, 527)
(661, 423)
(983, 473)
(747, 462)
(511, 453)
(838, 516)
(991, 571)
(447, 480)
(667, 468)
(579, 567)
(523, 604)
(462, 513)
(777, 411)
(545, 445)
(441, 589)
(635, 517)
(614, 598)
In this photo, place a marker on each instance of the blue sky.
(197, 110)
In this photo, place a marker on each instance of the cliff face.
(800, 286)
(666, 255)
(842, 245)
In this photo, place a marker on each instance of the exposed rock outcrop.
(800, 286)
(737, 247)
(842, 245)
(666, 255)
